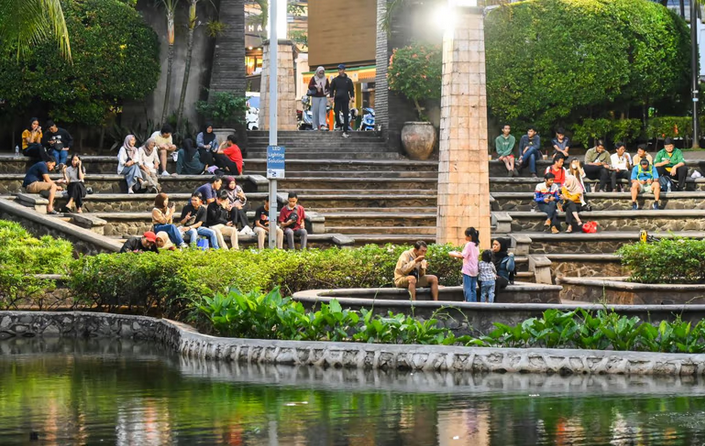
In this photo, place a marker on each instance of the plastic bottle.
(17, 150)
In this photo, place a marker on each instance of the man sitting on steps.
(645, 179)
(410, 271)
(37, 180)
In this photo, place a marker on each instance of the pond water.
(63, 392)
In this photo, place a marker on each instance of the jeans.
(601, 173)
(550, 209)
(36, 151)
(318, 109)
(290, 233)
(60, 156)
(470, 288)
(210, 235)
(487, 292)
(529, 157)
(173, 233)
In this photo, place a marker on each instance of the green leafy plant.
(669, 126)
(225, 109)
(416, 72)
(669, 260)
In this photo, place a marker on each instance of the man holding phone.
(410, 271)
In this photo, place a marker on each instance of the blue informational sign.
(275, 162)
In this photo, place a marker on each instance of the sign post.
(273, 106)
(275, 170)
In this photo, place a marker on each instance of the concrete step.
(335, 153)
(350, 165)
(355, 231)
(325, 183)
(586, 265)
(321, 241)
(617, 201)
(524, 184)
(622, 221)
(354, 174)
(380, 219)
(362, 239)
(606, 242)
(363, 199)
(427, 210)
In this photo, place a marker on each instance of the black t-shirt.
(134, 244)
(216, 215)
(196, 215)
(35, 173)
(262, 216)
(61, 137)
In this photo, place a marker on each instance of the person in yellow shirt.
(572, 194)
(32, 142)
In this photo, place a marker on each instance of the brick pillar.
(286, 87)
(463, 172)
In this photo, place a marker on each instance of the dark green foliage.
(624, 130)
(555, 62)
(224, 110)
(669, 260)
(416, 72)
(115, 58)
(670, 126)
(21, 257)
(175, 278)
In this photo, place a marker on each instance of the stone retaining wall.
(190, 343)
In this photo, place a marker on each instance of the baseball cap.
(644, 161)
(151, 236)
(341, 66)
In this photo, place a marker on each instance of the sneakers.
(247, 231)
(655, 206)
(533, 175)
(634, 206)
(346, 135)
(165, 174)
(555, 230)
(515, 172)
(175, 156)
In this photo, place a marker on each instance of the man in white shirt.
(621, 163)
(165, 144)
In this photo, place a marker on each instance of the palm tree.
(192, 22)
(31, 22)
(170, 7)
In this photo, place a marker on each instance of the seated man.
(621, 163)
(37, 180)
(504, 146)
(561, 143)
(262, 226)
(670, 161)
(291, 219)
(209, 191)
(410, 271)
(218, 221)
(193, 217)
(148, 242)
(165, 145)
(546, 196)
(598, 166)
(645, 180)
(557, 169)
(640, 154)
(530, 150)
(57, 142)
(229, 157)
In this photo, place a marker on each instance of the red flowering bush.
(416, 71)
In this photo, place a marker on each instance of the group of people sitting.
(214, 213)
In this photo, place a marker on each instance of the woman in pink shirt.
(470, 256)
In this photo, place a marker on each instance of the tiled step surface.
(607, 201)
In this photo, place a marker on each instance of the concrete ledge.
(189, 343)
(95, 224)
(616, 290)
(541, 267)
(84, 240)
(521, 245)
(34, 201)
(502, 222)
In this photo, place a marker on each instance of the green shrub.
(416, 72)
(226, 109)
(173, 279)
(22, 256)
(669, 126)
(669, 260)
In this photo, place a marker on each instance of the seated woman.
(163, 218)
(576, 170)
(129, 164)
(32, 142)
(74, 175)
(189, 161)
(572, 203)
(229, 156)
(149, 165)
(237, 202)
(207, 144)
(503, 262)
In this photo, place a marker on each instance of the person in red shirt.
(557, 169)
(229, 157)
(291, 220)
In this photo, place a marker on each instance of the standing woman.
(32, 142)
(503, 263)
(129, 164)
(207, 144)
(572, 203)
(319, 83)
(74, 175)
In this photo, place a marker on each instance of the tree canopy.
(557, 61)
(115, 58)
(25, 23)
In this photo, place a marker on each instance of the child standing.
(488, 275)
(470, 256)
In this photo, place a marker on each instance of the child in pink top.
(470, 256)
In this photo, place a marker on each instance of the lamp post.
(694, 68)
(273, 65)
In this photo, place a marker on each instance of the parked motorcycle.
(368, 120)
(305, 117)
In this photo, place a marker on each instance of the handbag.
(590, 227)
(311, 92)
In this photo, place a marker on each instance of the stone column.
(463, 171)
(286, 87)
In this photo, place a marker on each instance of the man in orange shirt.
(229, 156)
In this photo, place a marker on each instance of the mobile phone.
(171, 205)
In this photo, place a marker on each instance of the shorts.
(38, 186)
(645, 188)
(404, 282)
(506, 156)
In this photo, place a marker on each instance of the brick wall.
(228, 71)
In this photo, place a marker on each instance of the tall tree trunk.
(170, 62)
(187, 69)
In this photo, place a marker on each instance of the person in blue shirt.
(645, 180)
(209, 191)
(37, 180)
(547, 196)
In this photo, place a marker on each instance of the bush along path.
(269, 316)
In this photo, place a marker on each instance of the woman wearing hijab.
(237, 201)
(149, 164)
(503, 262)
(572, 193)
(129, 164)
(189, 161)
(319, 83)
(207, 143)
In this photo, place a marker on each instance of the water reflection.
(118, 392)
